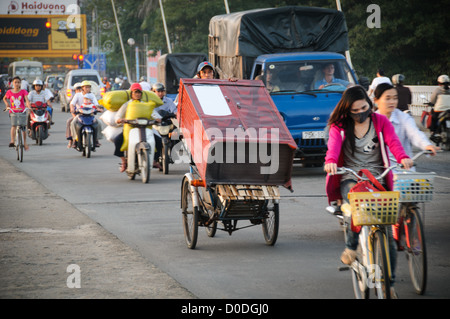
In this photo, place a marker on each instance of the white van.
(75, 76)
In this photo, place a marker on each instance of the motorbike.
(39, 122)
(442, 136)
(85, 140)
(167, 128)
(141, 148)
(443, 131)
(56, 87)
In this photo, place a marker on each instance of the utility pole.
(169, 47)
(227, 9)
(347, 53)
(120, 39)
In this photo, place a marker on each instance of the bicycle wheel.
(379, 272)
(19, 144)
(144, 165)
(212, 227)
(416, 252)
(190, 216)
(271, 223)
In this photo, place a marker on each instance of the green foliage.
(413, 38)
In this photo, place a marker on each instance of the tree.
(412, 38)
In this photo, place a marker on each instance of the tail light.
(102, 91)
(69, 93)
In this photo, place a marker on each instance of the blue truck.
(298, 52)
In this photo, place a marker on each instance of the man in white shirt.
(144, 84)
(381, 78)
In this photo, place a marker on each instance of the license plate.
(307, 135)
(447, 123)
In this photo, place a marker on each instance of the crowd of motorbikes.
(141, 150)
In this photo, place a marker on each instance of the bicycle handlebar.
(343, 170)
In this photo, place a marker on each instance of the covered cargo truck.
(174, 66)
(290, 49)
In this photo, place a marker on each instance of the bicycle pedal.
(344, 268)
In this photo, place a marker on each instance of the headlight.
(164, 130)
(142, 121)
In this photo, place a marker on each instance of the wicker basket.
(414, 187)
(19, 119)
(374, 208)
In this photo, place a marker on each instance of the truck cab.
(305, 87)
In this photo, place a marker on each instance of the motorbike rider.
(145, 85)
(404, 93)
(205, 70)
(77, 88)
(106, 84)
(40, 95)
(125, 85)
(77, 101)
(136, 95)
(168, 106)
(441, 95)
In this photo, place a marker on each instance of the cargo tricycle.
(240, 153)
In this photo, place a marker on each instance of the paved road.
(146, 217)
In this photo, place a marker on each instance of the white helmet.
(117, 80)
(398, 78)
(77, 85)
(38, 82)
(443, 78)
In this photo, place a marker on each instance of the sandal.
(123, 167)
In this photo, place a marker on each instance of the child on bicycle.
(16, 101)
(358, 138)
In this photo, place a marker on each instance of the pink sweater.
(386, 133)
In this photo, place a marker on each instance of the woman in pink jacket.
(358, 138)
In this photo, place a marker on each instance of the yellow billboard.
(48, 36)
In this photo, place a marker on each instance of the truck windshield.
(307, 76)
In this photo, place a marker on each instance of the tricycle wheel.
(271, 223)
(190, 216)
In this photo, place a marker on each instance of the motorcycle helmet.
(86, 83)
(158, 87)
(143, 78)
(136, 87)
(77, 85)
(443, 79)
(117, 80)
(398, 79)
(38, 82)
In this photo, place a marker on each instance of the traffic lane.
(95, 186)
(303, 263)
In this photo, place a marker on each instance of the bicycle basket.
(374, 208)
(19, 119)
(414, 187)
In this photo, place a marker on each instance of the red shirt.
(16, 101)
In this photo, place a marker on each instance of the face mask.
(361, 117)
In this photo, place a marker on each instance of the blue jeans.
(352, 239)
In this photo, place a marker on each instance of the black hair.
(341, 113)
(381, 88)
